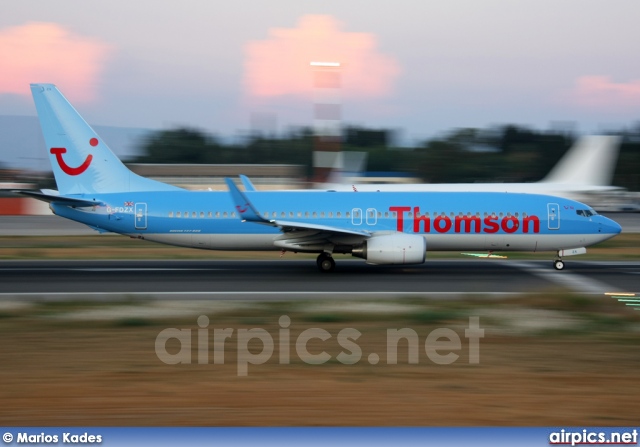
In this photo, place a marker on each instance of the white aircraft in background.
(585, 170)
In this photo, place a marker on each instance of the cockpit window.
(586, 213)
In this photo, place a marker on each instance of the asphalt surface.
(285, 279)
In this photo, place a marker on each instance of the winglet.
(248, 186)
(243, 205)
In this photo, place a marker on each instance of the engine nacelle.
(396, 248)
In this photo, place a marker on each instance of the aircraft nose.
(610, 226)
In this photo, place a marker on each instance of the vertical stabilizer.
(81, 161)
(591, 161)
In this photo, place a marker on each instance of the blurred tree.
(504, 154)
(361, 137)
(177, 146)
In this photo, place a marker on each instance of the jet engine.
(396, 248)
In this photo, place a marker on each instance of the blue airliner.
(96, 189)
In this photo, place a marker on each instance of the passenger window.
(170, 213)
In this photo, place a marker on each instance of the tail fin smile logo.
(58, 151)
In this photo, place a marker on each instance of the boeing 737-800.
(96, 189)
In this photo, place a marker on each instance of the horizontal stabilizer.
(52, 197)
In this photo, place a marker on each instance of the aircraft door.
(141, 216)
(553, 210)
(372, 216)
(356, 216)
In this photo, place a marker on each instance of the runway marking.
(144, 269)
(571, 281)
(250, 296)
(256, 296)
(113, 269)
(628, 299)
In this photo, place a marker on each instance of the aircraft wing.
(249, 213)
(301, 226)
(50, 196)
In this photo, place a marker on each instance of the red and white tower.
(327, 115)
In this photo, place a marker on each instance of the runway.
(286, 279)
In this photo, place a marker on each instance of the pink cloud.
(601, 92)
(47, 52)
(279, 65)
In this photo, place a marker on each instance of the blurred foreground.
(551, 360)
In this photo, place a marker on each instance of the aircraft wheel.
(325, 263)
(558, 264)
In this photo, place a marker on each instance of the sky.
(422, 67)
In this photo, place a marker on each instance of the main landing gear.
(558, 264)
(325, 263)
